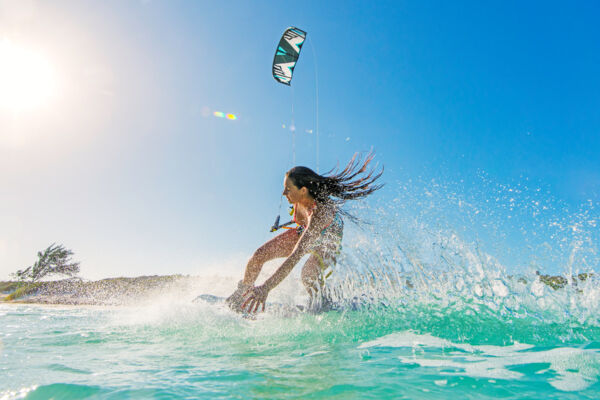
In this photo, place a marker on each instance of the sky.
(113, 150)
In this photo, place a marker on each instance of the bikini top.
(336, 217)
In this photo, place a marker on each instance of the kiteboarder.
(316, 201)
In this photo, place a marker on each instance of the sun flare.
(27, 79)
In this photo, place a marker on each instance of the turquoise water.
(421, 349)
(427, 312)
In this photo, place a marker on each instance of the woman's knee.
(265, 253)
(259, 256)
(310, 275)
(277, 248)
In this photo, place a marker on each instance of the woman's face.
(291, 191)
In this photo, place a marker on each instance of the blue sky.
(127, 166)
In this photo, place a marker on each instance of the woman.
(316, 200)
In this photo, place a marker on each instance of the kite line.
(284, 62)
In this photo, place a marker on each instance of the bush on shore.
(8, 287)
(22, 291)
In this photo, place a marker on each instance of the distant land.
(124, 291)
(110, 291)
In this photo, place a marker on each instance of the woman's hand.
(254, 297)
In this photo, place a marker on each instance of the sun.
(27, 80)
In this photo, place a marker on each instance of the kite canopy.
(287, 54)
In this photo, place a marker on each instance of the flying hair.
(355, 181)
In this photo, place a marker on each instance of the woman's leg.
(278, 247)
(312, 278)
(312, 273)
(316, 270)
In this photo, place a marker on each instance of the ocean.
(423, 313)
(521, 341)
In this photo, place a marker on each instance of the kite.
(287, 54)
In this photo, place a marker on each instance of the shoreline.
(104, 292)
(114, 292)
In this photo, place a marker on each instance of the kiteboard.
(210, 299)
(270, 308)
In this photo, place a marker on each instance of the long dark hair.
(337, 187)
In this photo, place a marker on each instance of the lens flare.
(220, 114)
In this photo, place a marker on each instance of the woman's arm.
(317, 222)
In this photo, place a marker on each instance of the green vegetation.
(7, 287)
(23, 291)
(55, 260)
(110, 291)
(559, 282)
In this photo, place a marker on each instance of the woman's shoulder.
(326, 210)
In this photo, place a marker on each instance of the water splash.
(429, 248)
